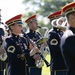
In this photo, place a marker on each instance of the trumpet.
(40, 53)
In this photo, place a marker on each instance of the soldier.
(2, 38)
(58, 66)
(16, 46)
(68, 39)
(33, 26)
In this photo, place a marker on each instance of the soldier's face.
(33, 25)
(16, 28)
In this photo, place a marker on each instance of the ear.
(29, 25)
(72, 18)
(12, 27)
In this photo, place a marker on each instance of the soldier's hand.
(37, 57)
(34, 50)
(45, 44)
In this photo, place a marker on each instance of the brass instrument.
(43, 48)
(2, 40)
(3, 57)
(40, 62)
(41, 41)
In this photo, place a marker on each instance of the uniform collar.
(31, 31)
(15, 36)
(72, 28)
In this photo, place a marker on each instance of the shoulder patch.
(54, 42)
(11, 49)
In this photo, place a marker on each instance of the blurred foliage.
(43, 8)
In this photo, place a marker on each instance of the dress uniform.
(2, 34)
(2, 63)
(58, 66)
(68, 39)
(16, 47)
(34, 36)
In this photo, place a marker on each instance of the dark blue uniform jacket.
(68, 49)
(57, 61)
(34, 36)
(17, 51)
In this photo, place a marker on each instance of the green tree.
(43, 8)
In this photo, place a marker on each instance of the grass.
(46, 70)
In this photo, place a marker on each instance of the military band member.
(33, 26)
(58, 66)
(2, 63)
(68, 39)
(2, 36)
(17, 47)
